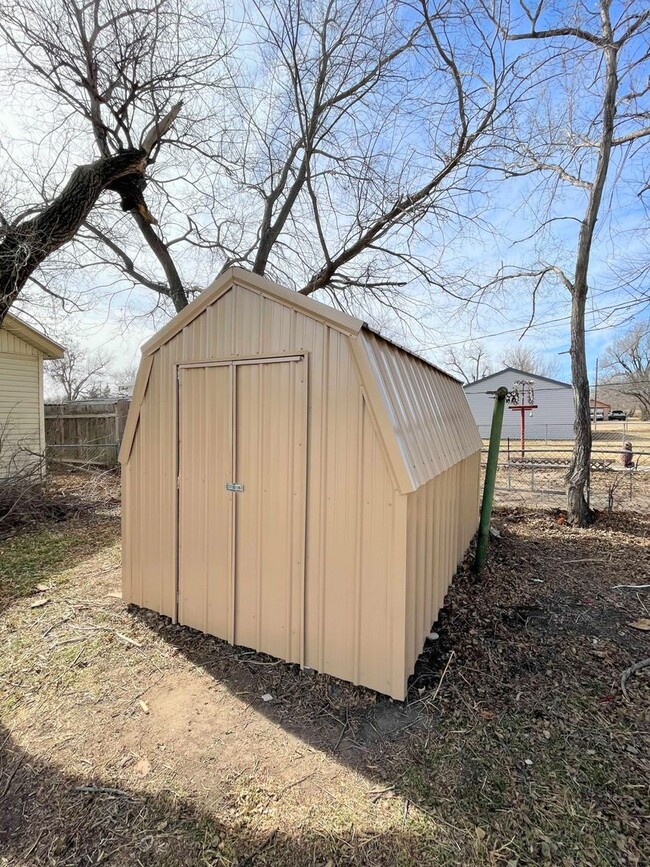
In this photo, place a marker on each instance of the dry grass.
(129, 741)
(538, 479)
(608, 437)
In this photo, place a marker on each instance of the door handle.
(237, 489)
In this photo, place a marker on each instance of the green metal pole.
(490, 479)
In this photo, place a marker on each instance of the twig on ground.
(102, 790)
(586, 560)
(376, 794)
(9, 781)
(644, 663)
(442, 677)
(631, 587)
(250, 859)
(343, 730)
(128, 640)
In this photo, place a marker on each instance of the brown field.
(126, 740)
(608, 436)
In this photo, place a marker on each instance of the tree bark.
(26, 245)
(175, 289)
(578, 511)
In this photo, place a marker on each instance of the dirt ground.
(126, 740)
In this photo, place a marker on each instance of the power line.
(612, 307)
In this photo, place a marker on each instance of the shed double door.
(242, 489)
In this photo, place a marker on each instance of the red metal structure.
(524, 402)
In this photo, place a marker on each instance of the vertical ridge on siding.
(377, 562)
(429, 410)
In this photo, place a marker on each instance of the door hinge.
(178, 483)
(236, 488)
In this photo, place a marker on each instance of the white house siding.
(21, 404)
(552, 420)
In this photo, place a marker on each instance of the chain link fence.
(535, 476)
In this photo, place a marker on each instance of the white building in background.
(552, 420)
(22, 425)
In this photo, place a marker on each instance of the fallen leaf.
(42, 588)
(480, 833)
(560, 520)
(488, 714)
(144, 706)
(643, 623)
(142, 768)
(39, 604)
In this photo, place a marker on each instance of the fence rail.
(538, 477)
(85, 431)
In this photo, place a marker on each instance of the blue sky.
(118, 321)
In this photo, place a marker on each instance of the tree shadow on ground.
(520, 747)
(528, 663)
(48, 817)
(34, 557)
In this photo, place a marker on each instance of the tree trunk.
(26, 245)
(578, 511)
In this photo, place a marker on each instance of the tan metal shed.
(295, 483)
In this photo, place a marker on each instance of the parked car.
(600, 415)
(617, 415)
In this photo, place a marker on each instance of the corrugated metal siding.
(21, 405)
(553, 419)
(429, 411)
(205, 507)
(355, 540)
(442, 519)
(270, 451)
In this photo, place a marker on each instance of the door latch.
(236, 488)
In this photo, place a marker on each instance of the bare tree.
(627, 365)
(78, 373)
(532, 360)
(470, 362)
(336, 145)
(577, 135)
(113, 76)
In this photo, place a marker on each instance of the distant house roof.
(49, 348)
(599, 403)
(522, 373)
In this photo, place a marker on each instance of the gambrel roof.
(420, 410)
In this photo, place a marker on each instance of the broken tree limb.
(160, 128)
(644, 663)
(25, 245)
